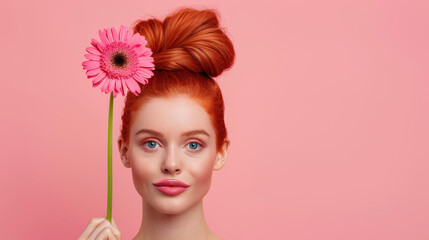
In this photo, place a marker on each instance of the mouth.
(171, 186)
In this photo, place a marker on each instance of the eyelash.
(192, 150)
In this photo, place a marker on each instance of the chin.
(170, 205)
(174, 204)
(169, 210)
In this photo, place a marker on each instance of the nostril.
(167, 170)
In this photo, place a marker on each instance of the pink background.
(326, 107)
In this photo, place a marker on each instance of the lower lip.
(171, 190)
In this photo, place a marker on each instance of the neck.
(190, 224)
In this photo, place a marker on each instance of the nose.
(171, 163)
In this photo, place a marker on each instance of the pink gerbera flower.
(119, 60)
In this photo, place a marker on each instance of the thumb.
(114, 223)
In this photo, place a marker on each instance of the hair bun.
(188, 39)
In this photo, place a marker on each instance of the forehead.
(172, 115)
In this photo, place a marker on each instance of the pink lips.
(171, 186)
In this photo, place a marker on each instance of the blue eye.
(194, 145)
(151, 144)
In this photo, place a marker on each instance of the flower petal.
(140, 79)
(106, 34)
(129, 34)
(134, 40)
(148, 52)
(122, 87)
(93, 50)
(106, 87)
(143, 51)
(146, 62)
(104, 84)
(115, 35)
(93, 72)
(122, 32)
(128, 84)
(139, 51)
(111, 85)
(146, 73)
(115, 93)
(98, 79)
(103, 37)
(118, 85)
(143, 40)
(135, 86)
(89, 65)
(92, 56)
(110, 36)
(98, 45)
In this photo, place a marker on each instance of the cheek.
(202, 171)
(142, 173)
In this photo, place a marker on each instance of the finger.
(115, 229)
(114, 223)
(90, 227)
(106, 234)
(105, 223)
(116, 232)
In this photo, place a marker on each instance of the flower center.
(119, 60)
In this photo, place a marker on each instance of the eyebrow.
(185, 134)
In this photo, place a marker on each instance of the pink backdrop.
(326, 107)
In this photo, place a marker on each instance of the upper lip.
(170, 183)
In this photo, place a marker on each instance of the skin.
(190, 159)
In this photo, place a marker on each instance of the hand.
(101, 229)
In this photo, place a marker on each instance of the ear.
(123, 148)
(221, 156)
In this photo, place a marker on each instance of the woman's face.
(172, 138)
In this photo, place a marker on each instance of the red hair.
(189, 49)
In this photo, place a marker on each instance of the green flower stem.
(109, 161)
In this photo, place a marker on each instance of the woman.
(173, 133)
